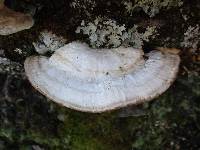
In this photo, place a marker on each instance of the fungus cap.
(12, 21)
(97, 80)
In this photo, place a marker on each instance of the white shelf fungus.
(12, 21)
(97, 80)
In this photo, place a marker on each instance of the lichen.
(8, 66)
(135, 38)
(102, 32)
(107, 33)
(191, 37)
(83, 6)
(151, 7)
(48, 42)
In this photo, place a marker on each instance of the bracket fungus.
(12, 21)
(97, 80)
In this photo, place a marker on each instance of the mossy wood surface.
(29, 121)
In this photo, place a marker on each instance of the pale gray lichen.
(10, 67)
(150, 7)
(80, 4)
(18, 50)
(191, 37)
(102, 32)
(83, 6)
(136, 39)
(12, 70)
(48, 42)
(107, 33)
